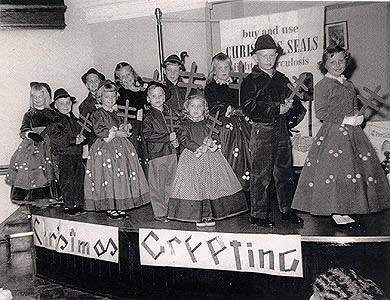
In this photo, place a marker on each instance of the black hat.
(44, 84)
(62, 93)
(163, 86)
(264, 41)
(92, 71)
(173, 58)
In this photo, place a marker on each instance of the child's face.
(222, 70)
(336, 64)
(266, 58)
(39, 99)
(63, 105)
(172, 72)
(126, 78)
(92, 82)
(156, 97)
(109, 98)
(196, 108)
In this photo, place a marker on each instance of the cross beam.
(86, 124)
(192, 75)
(125, 114)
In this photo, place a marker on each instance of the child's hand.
(359, 120)
(349, 120)
(207, 141)
(172, 136)
(111, 134)
(198, 153)
(284, 108)
(203, 148)
(228, 111)
(213, 146)
(79, 139)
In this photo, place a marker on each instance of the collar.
(259, 72)
(218, 81)
(340, 78)
(196, 120)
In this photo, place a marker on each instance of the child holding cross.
(205, 186)
(114, 180)
(342, 173)
(162, 143)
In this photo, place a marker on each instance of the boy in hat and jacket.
(263, 95)
(91, 79)
(67, 146)
(161, 144)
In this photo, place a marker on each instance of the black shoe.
(261, 222)
(80, 210)
(292, 218)
(70, 211)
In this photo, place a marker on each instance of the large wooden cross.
(86, 124)
(240, 75)
(212, 126)
(192, 75)
(296, 90)
(155, 78)
(125, 114)
(369, 102)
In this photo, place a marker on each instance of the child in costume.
(114, 180)
(342, 173)
(67, 146)
(162, 144)
(205, 187)
(32, 171)
(235, 130)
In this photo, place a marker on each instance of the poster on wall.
(273, 254)
(378, 132)
(300, 33)
(76, 238)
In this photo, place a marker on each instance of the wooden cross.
(155, 78)
(126, 114)
(192, 75)
(296, 89)
(86, 124)
(171, 119)
(240, 75)
(369, 102)
(212, 126)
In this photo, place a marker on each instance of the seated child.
(31, 171)
(205, 187)
(162, 144)
(66, 144)
(114, 179)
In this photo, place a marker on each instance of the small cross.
(155, 78)
(86, 124)
(212, 126)
(171, 121)
(296, 90)
(369, 102)
(192, 75)
(240, 75)
(126, 114)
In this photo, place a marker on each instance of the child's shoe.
(209, 222)
(200, 224)
(162, 219)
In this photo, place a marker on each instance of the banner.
(76, 238)
(379, 134)
(300, 34)
(259, 253)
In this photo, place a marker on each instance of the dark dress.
(32, 171)
(114, 179)
(138, 101)
(206, 186)
(342, 173)
(62, 133)
(235, 131)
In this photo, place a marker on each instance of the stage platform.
(365, 249)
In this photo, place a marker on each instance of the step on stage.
(365, 249)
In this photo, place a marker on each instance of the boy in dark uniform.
(263, 97)
(67, 146)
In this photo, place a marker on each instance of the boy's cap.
(106, 81)
(264, 41)
(92, 71)
(44, 84)
(62, 93)
(174, 59)
(163, 86)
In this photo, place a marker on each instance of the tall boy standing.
(263, 95)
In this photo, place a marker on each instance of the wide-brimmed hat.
(174, 59)
(264, 41)
(62, 93)
(92, 71)
(163, 86)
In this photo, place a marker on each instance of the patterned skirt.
(114, 178)
(205, 187)
(342, 174)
